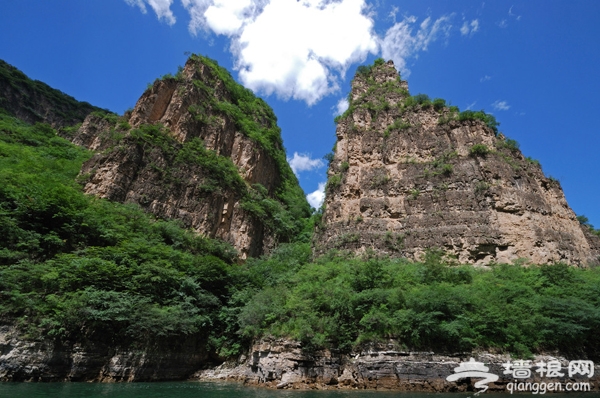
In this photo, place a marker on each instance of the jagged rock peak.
(199, 148)
(411, 174)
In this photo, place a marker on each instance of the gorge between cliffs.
(174, 242)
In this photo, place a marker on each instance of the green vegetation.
(72, 265)
(479, 150)
(482, 186)
(508, 143)
(439, 104)
(420, 99)
(398, 124)
(441, 165)
(533, 161)
(65, 110)
(333, 182)
(365, 70)
(489, 120)
(584, 221)
(343, 302)
(254, 118)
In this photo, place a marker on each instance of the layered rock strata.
(45, 360)
(279, 363)
(409, 175)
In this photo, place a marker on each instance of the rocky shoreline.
(271, 363)
(280, 363)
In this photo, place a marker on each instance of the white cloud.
(162, 8)
(316, 198)
(400, 43)
(485, 79)
(470, 106)
(503, 23)
(469, 27)
(291, 48)
(301, 49)
(501, 105)
(341, 106)
(303, 162)
(294, 48)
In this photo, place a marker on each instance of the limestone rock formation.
(201, 149)
(282, 364)
(410, 175)
(23, 359)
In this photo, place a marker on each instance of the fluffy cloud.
(302, 48)
(291, 48)
(341, 107)
(400, 44)
(469, 28)
(501, 105)
(303, 162)
(162, 8)
(316, 198)
(295, 49)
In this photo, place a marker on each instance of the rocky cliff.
(199, 148)
(409, 174)
(282, 364)
(50, 360)
(33, 101)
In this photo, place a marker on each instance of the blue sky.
(533, 64)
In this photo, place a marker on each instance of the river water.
(208, 390)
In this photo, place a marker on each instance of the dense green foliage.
(32, 93)
(344, 302)
(76, 267)
(72, 265)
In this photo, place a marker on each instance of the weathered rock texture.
(33, 101)
(404, 179)
(194, 105)
(279, 363)
(30, 360)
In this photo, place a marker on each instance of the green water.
(204, 390)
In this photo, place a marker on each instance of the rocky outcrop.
(33, 101)
(280, 363)
(409, 175)
(44, 360)
(241, 157)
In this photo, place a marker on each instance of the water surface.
(211, 390)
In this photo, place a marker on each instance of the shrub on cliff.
(489, 120)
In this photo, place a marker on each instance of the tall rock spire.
(411, 174)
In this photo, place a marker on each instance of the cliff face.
(282, 364)
(33, 101)
(213, 159)
(409, 175)
(26, 360)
